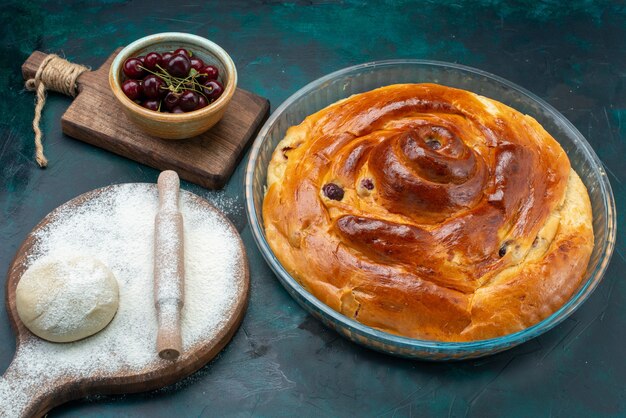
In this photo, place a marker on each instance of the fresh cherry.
(188, 101)
(164, 82)
(209, 72)
(153, 87)
(132, 89)
(151, 61)
(197, 64)
(202, 101)
(182, 51)
(165, 58)
(213, 89)
(171, 100)
(132, 68)
(179, 66)
(151, 104)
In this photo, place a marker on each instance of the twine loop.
(56, 74)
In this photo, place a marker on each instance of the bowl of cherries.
(173, 85)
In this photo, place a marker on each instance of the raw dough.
(67, 300)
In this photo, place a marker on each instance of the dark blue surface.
(282, 362)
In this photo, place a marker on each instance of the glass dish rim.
(401, 342)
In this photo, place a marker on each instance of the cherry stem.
(171, 80)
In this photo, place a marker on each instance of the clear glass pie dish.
(365, 77)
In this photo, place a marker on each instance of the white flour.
(117, 227)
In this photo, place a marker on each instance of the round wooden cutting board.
(33, 394)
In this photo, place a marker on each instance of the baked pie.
(429, 212)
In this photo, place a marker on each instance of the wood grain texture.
(45, 394)
(96, 117)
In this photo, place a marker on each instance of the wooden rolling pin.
(169, 266)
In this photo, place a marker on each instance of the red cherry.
(177, 109)
(151, 104)
(202, 101)
(197, 63)
(179, 66)
(166, 57)
(132, 68)
(182, 51)
(367, 184)
(132, 89)
(152, 60)
(210, 72)
(188, 101)
(213, 89)
(171, 100)
(153, 87)
(333, 191)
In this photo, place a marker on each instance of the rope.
(56, 74)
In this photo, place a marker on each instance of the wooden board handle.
(32, 63)
(169, 268)
(28, 394)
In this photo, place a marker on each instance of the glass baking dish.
(360, 78)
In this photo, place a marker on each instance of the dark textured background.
(282, 362)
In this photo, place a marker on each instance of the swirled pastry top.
(429, 212)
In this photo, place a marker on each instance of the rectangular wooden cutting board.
(96, 117)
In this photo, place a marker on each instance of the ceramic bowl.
(175, 125)
(365, 77)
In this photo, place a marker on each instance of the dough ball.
(63, 300)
